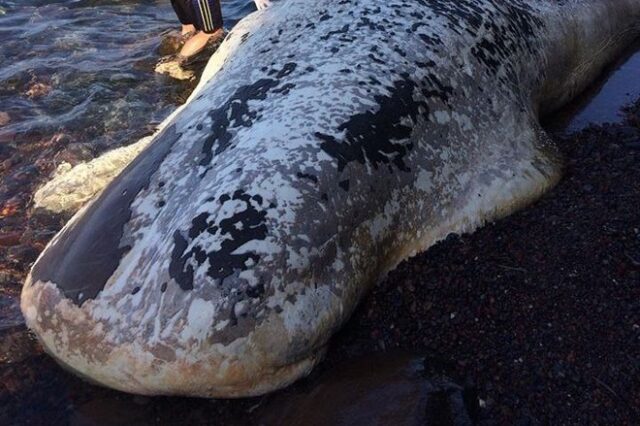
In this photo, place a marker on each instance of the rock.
(4, 118)
(37, 90)
(174, 69)
(23, 254)
(16, 345)
(10, 207)
(170, 43)
(9, 276)
(74, 153)
(8, 239)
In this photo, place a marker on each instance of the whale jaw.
(141, 368)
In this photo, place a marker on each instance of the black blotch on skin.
(312, 178)
(89, 252)
(235, 112)
(343, 30)
(378, 137)
(235, 231)
(512, 31)
(284, 89)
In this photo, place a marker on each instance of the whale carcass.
(327, 142)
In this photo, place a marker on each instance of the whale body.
(327, 142)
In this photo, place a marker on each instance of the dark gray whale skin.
(327, 142)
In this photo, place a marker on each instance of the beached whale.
(327, 142)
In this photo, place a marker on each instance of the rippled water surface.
(86, 67)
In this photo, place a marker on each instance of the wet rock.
(8, 239)
(10, 207)
(173, 68)
(38, 90)
(23, 255)
(16, 345)
(9, 276)
(4, 118)
(383, 389)
(170, 43)
(75, 153)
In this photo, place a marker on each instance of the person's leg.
(196, 43)
(208, 22)
(187, 29)
(184, 14)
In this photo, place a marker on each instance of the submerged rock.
(4, 118)
(37, 90)
(171, 43)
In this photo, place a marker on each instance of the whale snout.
(197, 353)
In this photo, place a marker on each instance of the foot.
(187, 29)
(198, 42)
(262, 4)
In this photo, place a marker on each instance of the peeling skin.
(326, 142)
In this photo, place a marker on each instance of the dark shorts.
(205, 15)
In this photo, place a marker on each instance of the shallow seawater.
(604, 100)
(86, 67)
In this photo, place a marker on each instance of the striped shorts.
(205, 15)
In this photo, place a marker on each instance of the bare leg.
(196, 43)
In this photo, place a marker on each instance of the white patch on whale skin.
(199, 320)
(424, 181)
(442, 117)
